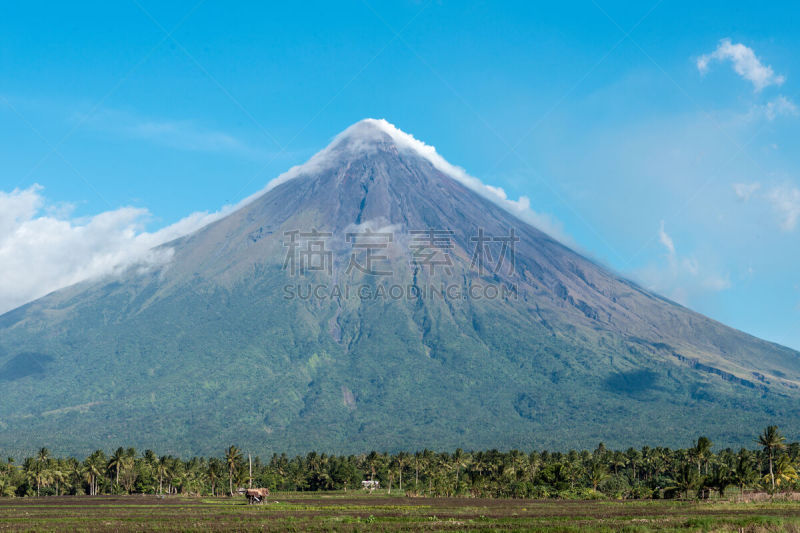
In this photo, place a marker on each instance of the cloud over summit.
(364, 135)
(43, 249)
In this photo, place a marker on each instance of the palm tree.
(784, 471)
(43, 456)
(771, 440)
(401, 461)
(646, 462)
(10, 465)
(417, 456)
(373, 460)
(633, 456)
(720, 479)
(36, 471)
(97, 465)
(687, 479)
(701, 451)
(460, 460)
(618, 461)
(318, 467)
(89, 472)
(425, 466)
(115, 463)
(516, 464)
(534, 462)
(232, 458)
(597, 473)
(744, 472)
(39, 469)
(6, 488)
(162, 470)
(59, 476)
(128, 470)
(74, 472)
(212, 472)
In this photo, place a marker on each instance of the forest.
(647, 473)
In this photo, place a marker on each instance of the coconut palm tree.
(43, 456)
(6, 487)
(687, 479)
(401, 460)
(162, 471)
(232, 458)
(115, 463)
(9, 466)
(515, 465)
(460, 460)
(534, 463)
(785, 472)
(37, 469)
(58, 475)
(598, 471)
(128, 470)
(75, 472)
(417, 458)
(373, 461)
(212, 472)
(771, 440)
(618, 460)
(744, 471)
(98, 462)
(701, 451)
(86, 474)
(95, 464)
(37, 473)
(634, 457)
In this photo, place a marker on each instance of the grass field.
(381, 512)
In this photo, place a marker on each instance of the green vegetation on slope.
(213, 366)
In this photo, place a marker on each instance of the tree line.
(659, 472)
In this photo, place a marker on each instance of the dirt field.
(364, 512)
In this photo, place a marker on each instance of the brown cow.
(256, 495)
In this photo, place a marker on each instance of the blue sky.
(661, 137)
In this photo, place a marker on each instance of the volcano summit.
(377, 297)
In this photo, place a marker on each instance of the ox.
(256, 495)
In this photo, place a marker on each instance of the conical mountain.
(377, 298)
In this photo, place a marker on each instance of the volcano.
(377, 297)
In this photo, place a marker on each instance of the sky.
(658, 138)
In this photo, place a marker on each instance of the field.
(381, 512)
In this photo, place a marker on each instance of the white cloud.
(361, 136)
(42, 249)
(744, 191)
(666, 240)
(785, 201)
(680, 278)
(745, 63)
(780, 106)
(178, 134)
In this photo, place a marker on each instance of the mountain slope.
(221, 343)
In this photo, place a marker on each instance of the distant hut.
(370, 484)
